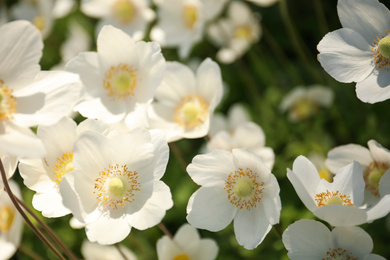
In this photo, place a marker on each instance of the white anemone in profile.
(44, 175)
(376, 167)
(339, 203)
(11, 223)
(186, 244)
(308, 239)
(360, 51)
(28, 96)
(302, 103)
(236, 186)
(120, 76)
(115, 184)
(185, 102)
(95, 251)
(131, 16)
(236, 33)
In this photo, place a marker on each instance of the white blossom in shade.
(186, 244)
(94, 251)
(115, 184)
(119, 76)
(185, 102)
(131, 16)
(236, 33)
(9, 163)
(338, 203)
(62, 8)
(38, 12)
(307, 239)
(376, 167)
(11, 224)
(263, 3)
(44, 175)
(303, 103)
(180, 24)
(29, 97)
(236, 186)
(358, 52)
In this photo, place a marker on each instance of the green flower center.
(120, 81)
(335, 200)
(243, 188)
(190, 16)
(384, 47)
(124, 11)
(116, 186)
(190, 111)
(243, 32)
(373, 175)
(304, 109)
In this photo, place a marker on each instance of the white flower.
(119, 76)
(186, 102)
(9, 163)
(263, 3)
(376, 167)
(186, 244)
(236, 186)
(303, 103)
(236, 33)
(62, 8)
(44, 175)
(116, 183)
(308, 239)
(338, 202)
(180, 24)
(319, 162)
(28, 96)
(236, 131)
(94, 251)
(11, 223)
(358, 52)
(131, 16)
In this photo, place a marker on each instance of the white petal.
(94, 109)
(209, 82)
(384, 184)
(345, 154)
(161, 151)
(346, 55)
(208, 208)
(340, 215)
(353, 239)
(33, 174)
(369, 18)
(375, 88)
(251, 227)
(306, 239)
(378, 152)
(381, 209)
(50, 204)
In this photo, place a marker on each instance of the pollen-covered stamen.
(243, 188)
(325, 174)
(338, 254)
(190, 16)
(40, 22)
(304, 109)
(124, 11)
(7, 102)
(243, 32)
(7, 216)
(191, 111)
(181, 257)
(116, 186)
(381, 49)
(331, 197)
(120, 81)
(372, 176)
(63, 165)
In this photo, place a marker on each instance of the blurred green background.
(259, 80)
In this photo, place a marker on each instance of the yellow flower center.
(124, 11)
(7, 216)
(190, 16)
(381, 49)
(116, 186)
(120, 81)
(331, 198)
(372, 176)
(39, 22)
(7, 102)
(304, 109)
(325, 174)
(191, 111)
(338, 254)
(243, 32)
(63, 165)
(181, 257)
(243, 188)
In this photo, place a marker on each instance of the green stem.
(24, 216)
(120, 252)
(173, 147)
(321, 17)
(49, 231)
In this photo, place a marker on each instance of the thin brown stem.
(121, 252)
(278, 230)
(165, 230)
(178, 155)
(28, 252)
(24, 216)
(49, 231)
